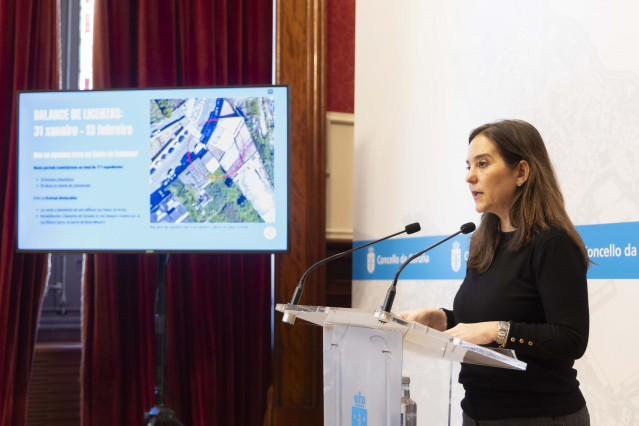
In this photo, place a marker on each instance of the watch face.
(501, 330)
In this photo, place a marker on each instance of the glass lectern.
(363, 351)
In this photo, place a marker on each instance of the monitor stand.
(160, 413)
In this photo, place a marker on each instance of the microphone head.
(467, 228)
(414, 227)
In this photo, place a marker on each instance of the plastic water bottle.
(409, 407)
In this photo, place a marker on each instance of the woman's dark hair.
(538, 203)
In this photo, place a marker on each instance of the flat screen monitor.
(153, 170)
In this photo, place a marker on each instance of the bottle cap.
(405, 380)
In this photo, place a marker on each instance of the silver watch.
(503, 327)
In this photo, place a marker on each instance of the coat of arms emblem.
(455, 257)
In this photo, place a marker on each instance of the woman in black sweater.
(525, 287)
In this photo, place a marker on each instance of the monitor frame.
(244, 91)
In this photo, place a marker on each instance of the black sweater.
(542, 289)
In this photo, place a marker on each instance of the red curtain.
(29, 52)
(219, 306)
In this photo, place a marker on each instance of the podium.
(363, 352)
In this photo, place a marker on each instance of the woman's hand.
(433, 318)
(479, 333)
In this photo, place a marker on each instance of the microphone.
(297, 295)
(384, 314)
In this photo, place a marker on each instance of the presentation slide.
(199, 169)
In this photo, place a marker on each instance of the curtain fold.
(218, 305)
(29, 52)
(118, 338)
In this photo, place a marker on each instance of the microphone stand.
(297, 294)
(384, 315)
(160, 413)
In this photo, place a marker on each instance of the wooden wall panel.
(297, 372)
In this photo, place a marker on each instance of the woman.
(525, 287)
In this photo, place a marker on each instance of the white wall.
(427, 72)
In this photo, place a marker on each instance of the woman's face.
(492, 183)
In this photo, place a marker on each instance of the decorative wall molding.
(333, 117)
(339, 176)
(297, 396)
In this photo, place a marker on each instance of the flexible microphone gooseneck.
(466, 228)
(408, 229)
